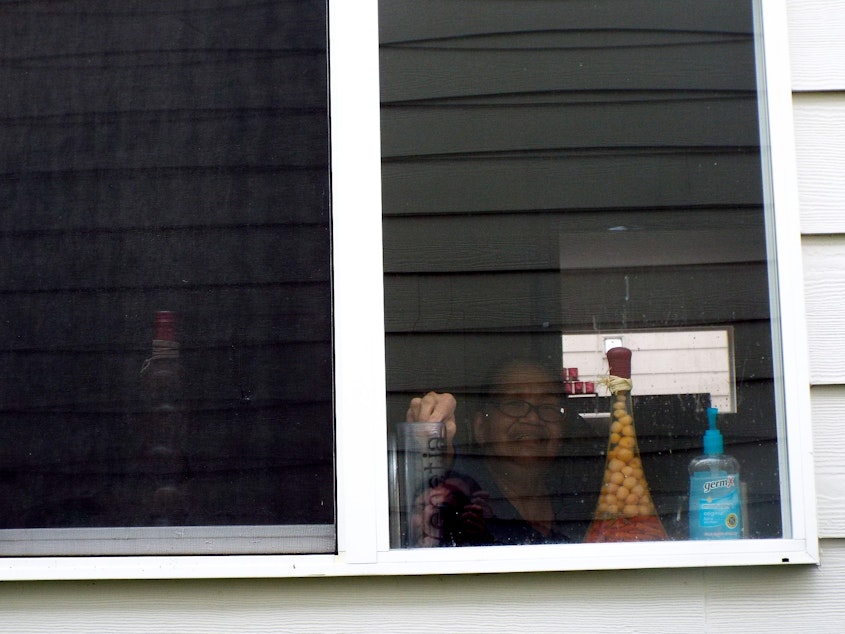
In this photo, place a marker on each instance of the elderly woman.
(510, 485)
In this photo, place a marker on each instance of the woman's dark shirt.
(574, 483)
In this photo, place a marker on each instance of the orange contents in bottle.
(642, 528)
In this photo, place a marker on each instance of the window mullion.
(358, 297)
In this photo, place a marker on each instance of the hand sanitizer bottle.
(715, 502)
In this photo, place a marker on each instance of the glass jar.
(625, 511)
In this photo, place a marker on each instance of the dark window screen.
(165, 156)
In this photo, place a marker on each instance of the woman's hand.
(436, 407)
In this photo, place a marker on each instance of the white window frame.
(362, 492)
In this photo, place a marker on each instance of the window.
(295, 375)
(559, 179)
(167, 159)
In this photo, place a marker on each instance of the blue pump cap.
(713, 443)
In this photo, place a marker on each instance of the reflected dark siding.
(516, 134)
(165, 155)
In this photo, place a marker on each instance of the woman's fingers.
(435, 407)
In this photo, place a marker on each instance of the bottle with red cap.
(625, 510)
(163, 457)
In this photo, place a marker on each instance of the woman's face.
(508, 428)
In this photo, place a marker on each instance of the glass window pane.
(560, 178)
(168, 156)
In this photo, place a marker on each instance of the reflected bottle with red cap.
(164, 426)
(625, 510)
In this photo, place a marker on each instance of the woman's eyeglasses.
(518, 408)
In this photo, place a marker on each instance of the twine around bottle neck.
(616, 383)
(162, 349)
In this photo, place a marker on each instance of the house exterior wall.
(765, 599)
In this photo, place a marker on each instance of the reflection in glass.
(553, 169)
(172, 157)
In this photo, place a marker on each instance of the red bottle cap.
(619, 360)
(165, 325)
